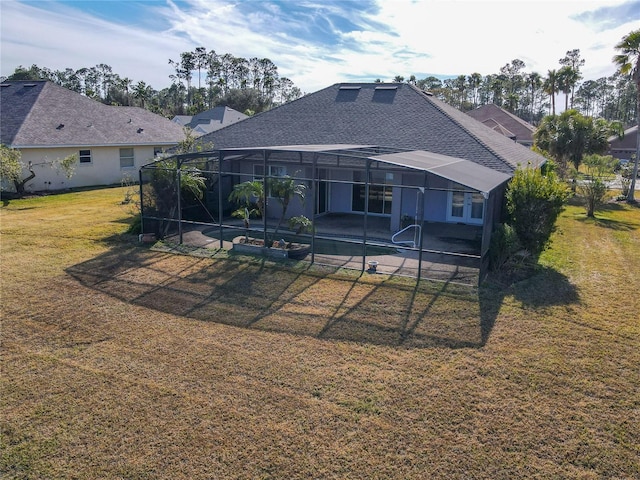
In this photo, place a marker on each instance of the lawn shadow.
(300, 299)
(609, 223)
(620, 225)
(538, 288)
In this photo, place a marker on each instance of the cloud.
(610, 17)
(317, 43)
(66, 37)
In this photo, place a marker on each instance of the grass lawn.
(123, 362)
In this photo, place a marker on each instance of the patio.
(450, 253)
(438, 236)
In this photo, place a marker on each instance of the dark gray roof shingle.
(43, 114)
(393, 115)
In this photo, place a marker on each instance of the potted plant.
(406, 220)
(251, 197)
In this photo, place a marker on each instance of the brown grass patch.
(122, 362)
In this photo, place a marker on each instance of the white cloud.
(68, 38)
(311, 45)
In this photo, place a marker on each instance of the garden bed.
(278, 249)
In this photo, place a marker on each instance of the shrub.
(534, 202)
(594, 189)
(135, 227)
(300, 224)
(504, 243)
(626, 172)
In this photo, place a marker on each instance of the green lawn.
(121, 362)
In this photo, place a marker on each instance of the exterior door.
(465, 207)
(323, 197)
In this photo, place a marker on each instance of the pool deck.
(451, 252)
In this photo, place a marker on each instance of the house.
(376, 161)
(384, 153)
(506, 123)
(624, 148)
(47, 122)
(210, 120)
(397, 116)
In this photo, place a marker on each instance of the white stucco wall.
(104, 168)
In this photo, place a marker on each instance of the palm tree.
(247, 194)
(534, 82)
(569, 136)
(567, 79)
(573, 60)
(551, 87)
(250, 197)
(284, 189)
(628, 61)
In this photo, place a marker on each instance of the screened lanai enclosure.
(364, 207)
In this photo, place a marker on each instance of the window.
(126, 158)
(84, 156)
(274, 171)
(380, 192)
(157, 151)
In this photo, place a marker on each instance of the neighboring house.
(624, 148)
(48, 122)
(182, 120)
(210, 120)
(505, 123)
(466, 165)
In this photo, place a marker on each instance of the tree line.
(201, 80)
(531, 96)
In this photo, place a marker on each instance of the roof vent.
(129, 121)
(140, 130)
(389, 87)
(29, 85)
(5, 85)
(427, 93)
(349, 87)
(60, 127)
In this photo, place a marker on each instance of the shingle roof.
(220, 114)
(210, 120)
(43, 114)
(504, 122)
(629, 140)
(394, 115)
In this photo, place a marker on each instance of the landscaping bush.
(504, 243)
(534, 202)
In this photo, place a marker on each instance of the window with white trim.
(274, 171)
(84, 156)
(127, 159)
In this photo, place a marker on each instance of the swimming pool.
(322, 245)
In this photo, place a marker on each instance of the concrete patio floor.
(450, 251)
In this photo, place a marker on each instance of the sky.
(316, 43)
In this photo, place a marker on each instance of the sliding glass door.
(380, 193)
